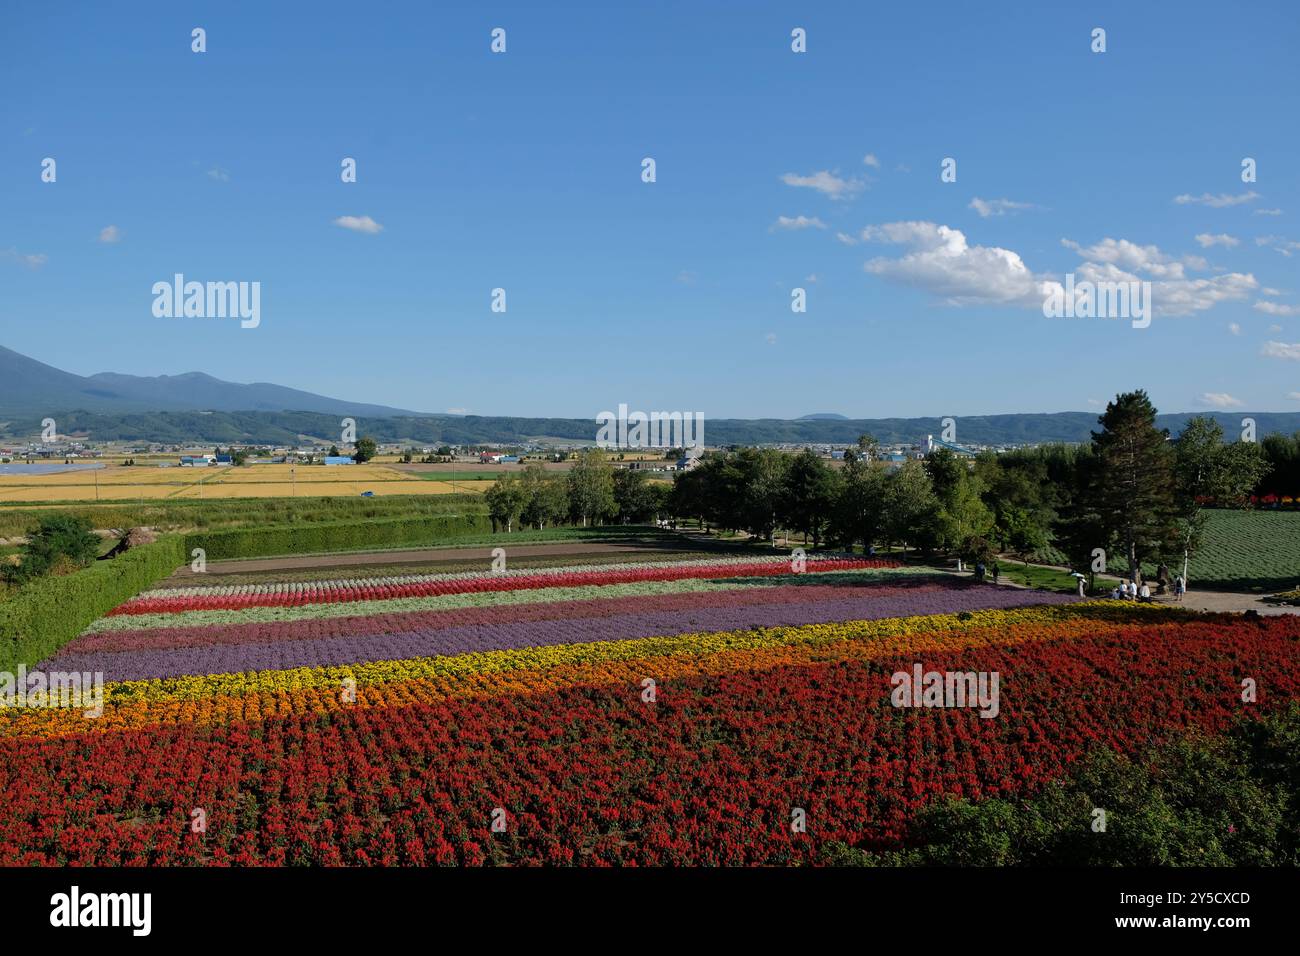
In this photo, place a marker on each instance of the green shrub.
(44, 614)
(259, 542)
(58, 539)
(1232, 800)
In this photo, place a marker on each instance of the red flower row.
(711, 773)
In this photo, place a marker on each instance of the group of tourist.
(1133, 591)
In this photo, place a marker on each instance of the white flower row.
(315, 587)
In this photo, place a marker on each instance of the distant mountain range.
(199, 408)
(29, 387)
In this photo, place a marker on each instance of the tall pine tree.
(1132, 493)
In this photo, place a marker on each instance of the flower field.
(635, 714)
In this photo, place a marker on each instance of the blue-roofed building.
(338, 460)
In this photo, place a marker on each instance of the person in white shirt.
(1145, 593)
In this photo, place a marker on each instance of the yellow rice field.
(255, 481)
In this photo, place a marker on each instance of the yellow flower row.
(261, 694)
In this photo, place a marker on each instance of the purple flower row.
(280, 655)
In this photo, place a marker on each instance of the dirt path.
(1229, 601)
(428, 556)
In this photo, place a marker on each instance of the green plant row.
(45, 614)
(324, 537)
(187, 514)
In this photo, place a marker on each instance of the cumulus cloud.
(798, 222)
(940, 260)
(110, 234)
(871, 160)
(1219, 400)
(1276, 308)
(1294, 396)
(1282, 350)
(1217, 202)
(998, 207)
(359, 224)
(219, 174)
(1134, 258)
(1222, 239)
(1234, 328)
(1268, 212)
(827, 183)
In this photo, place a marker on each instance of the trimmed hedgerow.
(44, 614)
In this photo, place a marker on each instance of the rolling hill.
(29, 387)
(197, 407)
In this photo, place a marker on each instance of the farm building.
(338, 460)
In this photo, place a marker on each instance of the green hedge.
(334, 536)
(45, 614)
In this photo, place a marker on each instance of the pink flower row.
(369, 591)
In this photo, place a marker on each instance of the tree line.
(1134, 491)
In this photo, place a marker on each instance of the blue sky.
(523, 171)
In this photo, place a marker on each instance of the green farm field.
(1256, 551)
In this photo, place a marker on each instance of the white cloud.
(1268, 212)
(1219, 201)
(359, 224)
(770, 338)
(1294, 396)
(1275, 328)
(812, 278)
(1095, 402)
(1219, 400)
(458, 411)
(1222, 239)
(1269, 290)
(1276, 308)
(798, 222)
(845, 238)
(1281, 350)
(219, 174)
(1234, 328)
(1278, 244)
(110, 234)
(871, 160)
(827, 183)
(687, 277)
(1135, 258)
(942, 262)
(998, 207)
(29, 260)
